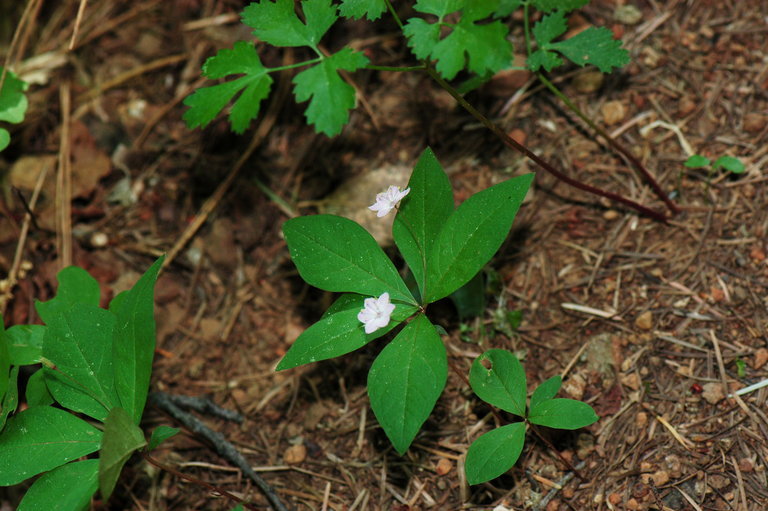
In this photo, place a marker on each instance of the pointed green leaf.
(121, 438)
(10, 399)
(278, 24)
(562, 5)
(498, 378)
(469, 299)
(337, 254)
(25, 343)
(37, 393)
(330, 97)
(78, 341)
(159, 435)
(472, 235)
(696, 161)
(134, 346)
(338, 333)
(494, 453)
(66, 488)
(42, 438)
(549, 27)
(356, 9)
(562, 414)
(730, 164)
(75, 286)
(546, 391)
(594, 46)
(406, 379)
(422, 214)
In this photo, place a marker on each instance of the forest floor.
(652, 323)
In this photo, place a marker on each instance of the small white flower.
(386, 201)
(375, 313)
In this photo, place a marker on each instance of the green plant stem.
(395, 68)
(541, 437)
(393, 12)
(508, 141)
(612, 142)
(299, 64)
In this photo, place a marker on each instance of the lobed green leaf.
(134, 344)
(562, 414)
(42, 438)
(562, 5)
(330, 97)
(356, 9)
(486, 47)
(121, 438)
(472, 235)
(594, 46)
(438, 7)
(336, 254)
(278, 24)
(507, 7)
(422, 37)
(494, 453)
(66, 488)
(406, 379)
(502, 384)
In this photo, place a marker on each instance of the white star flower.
(375, 313)
(386, 201)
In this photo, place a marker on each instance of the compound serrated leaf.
(594, 46)
(356, 9)
(438, 7)
(549, 27)
(543, 58)
(422, 36)
(507, 7)
(486, 47)
(278, 24)
(330, 97)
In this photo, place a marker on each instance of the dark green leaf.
(562, 5)
(5, 138)
(422, 214)
(472, 235)
(549, 27)
(406, 379)
(159, 435)
(134, 346)
(502, 384)
(78, 341)
(37, 391)
(507, 7)
(10, 399)
(542, 58)
(278, 24)
(42, 438)
(330, 97)
(438, 7)
(13, 102)
(66, 488)
(25, 344)
(494, 453)
(562, 414)
(594, 46)
(337, 334)
(486, 47)
(469, 299)
(356, 9)
(730, 164)
(121, 438)
(422, 37)
(337, 254)
(75, 286)
(697, 161)
(546, 391)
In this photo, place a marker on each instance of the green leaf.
(406, 379)
(542, 58)
(507, 7)
(37, 393)
(78, 341)
(159, 435)
(469, 299)
(338, 333)
(729, 163)
(562, 414)
(439, 7)
(494, 453)
(502, 384)
(134, 346)
(42, 438)
(330, 97)
(25, 344)
(336, 254)
(10, 400)
(356, 9)
(594, 46)
(5, 138)
(422, 37)
(422, 214)
(278, 24)
(205, 103)
(697, 161)
(562, 5)
(546, 391)
(75, 286)
(66, 488)
(13, 102)
(486, 47)
(472, 235)
(549, 27)
(121, 438)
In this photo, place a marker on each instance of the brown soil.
(665, 315)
